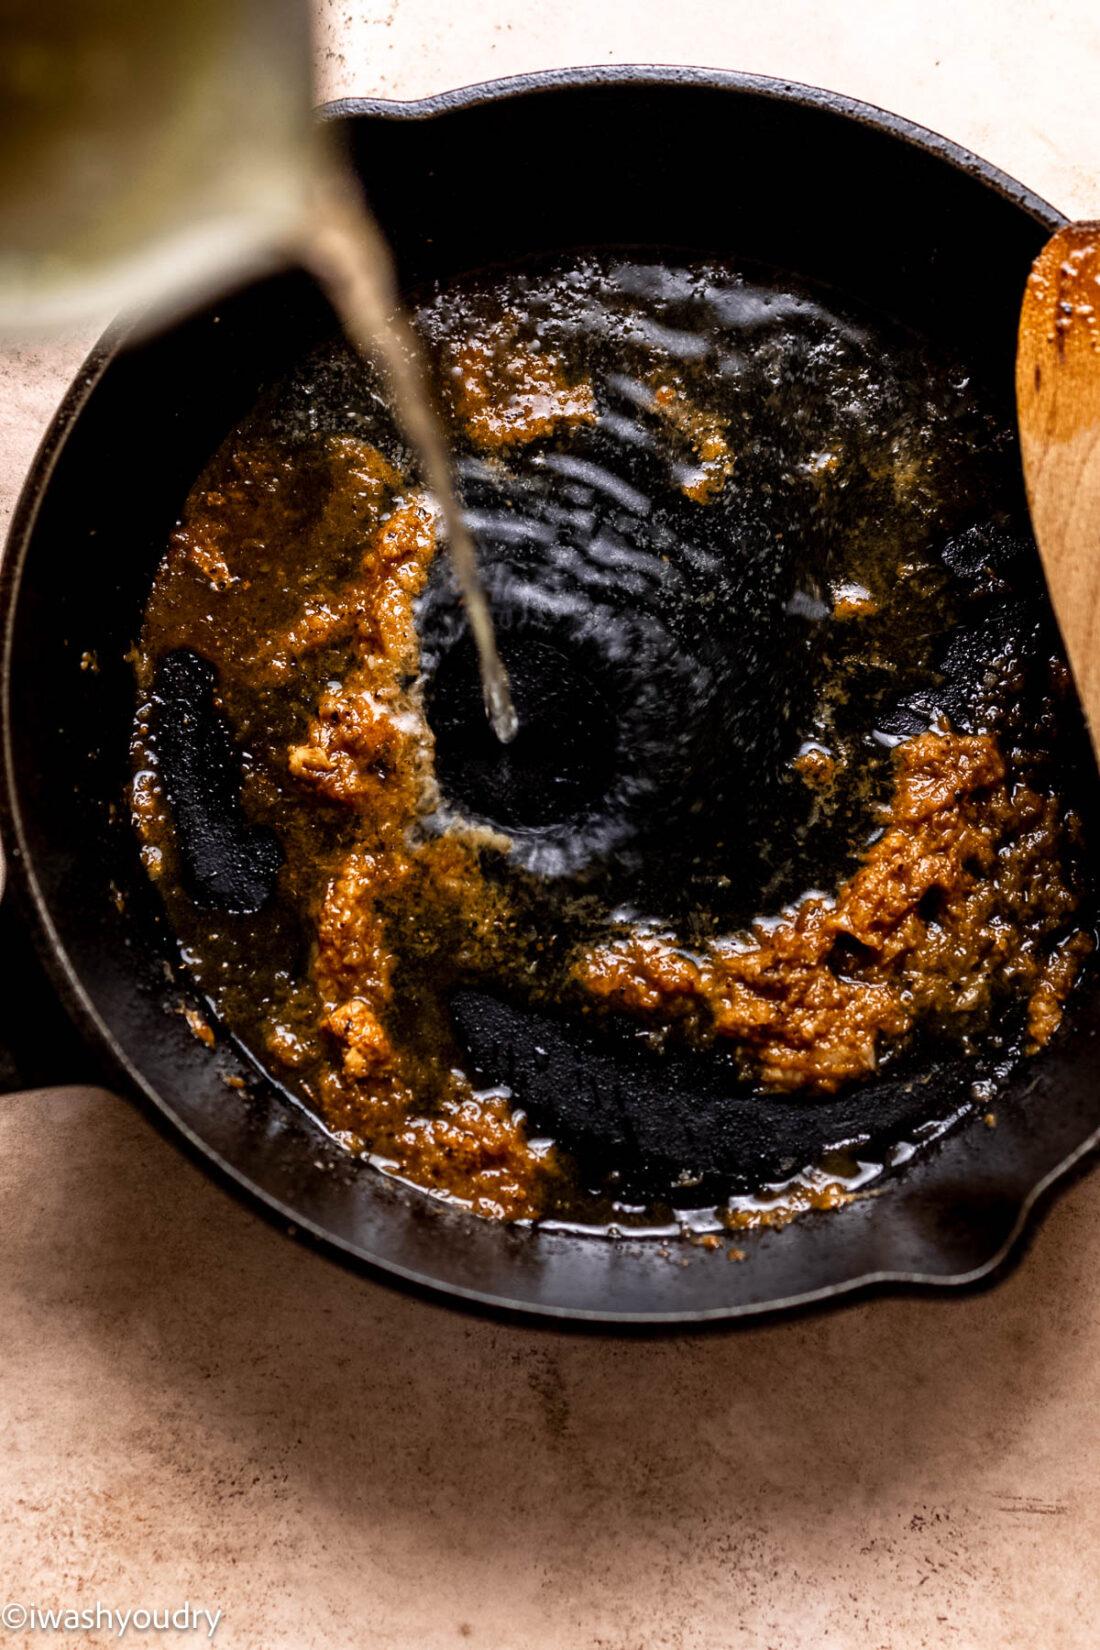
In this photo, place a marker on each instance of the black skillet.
(669, 158)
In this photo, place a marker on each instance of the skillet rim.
(770, 87)
(22, 884)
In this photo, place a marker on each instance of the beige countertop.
(198, 1410)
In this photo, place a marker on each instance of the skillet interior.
(700, 163)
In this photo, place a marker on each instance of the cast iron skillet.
(672, 158)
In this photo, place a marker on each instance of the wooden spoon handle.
(1058, 406)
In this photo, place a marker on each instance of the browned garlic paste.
(366, 750)
(957, 894)
(294, 570)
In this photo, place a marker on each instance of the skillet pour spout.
(585, 159)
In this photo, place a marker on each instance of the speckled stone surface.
(197, 1409)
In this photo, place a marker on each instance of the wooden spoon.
(1058, 406)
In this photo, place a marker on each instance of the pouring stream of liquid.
(343, 247)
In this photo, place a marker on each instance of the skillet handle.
(39, 1045)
